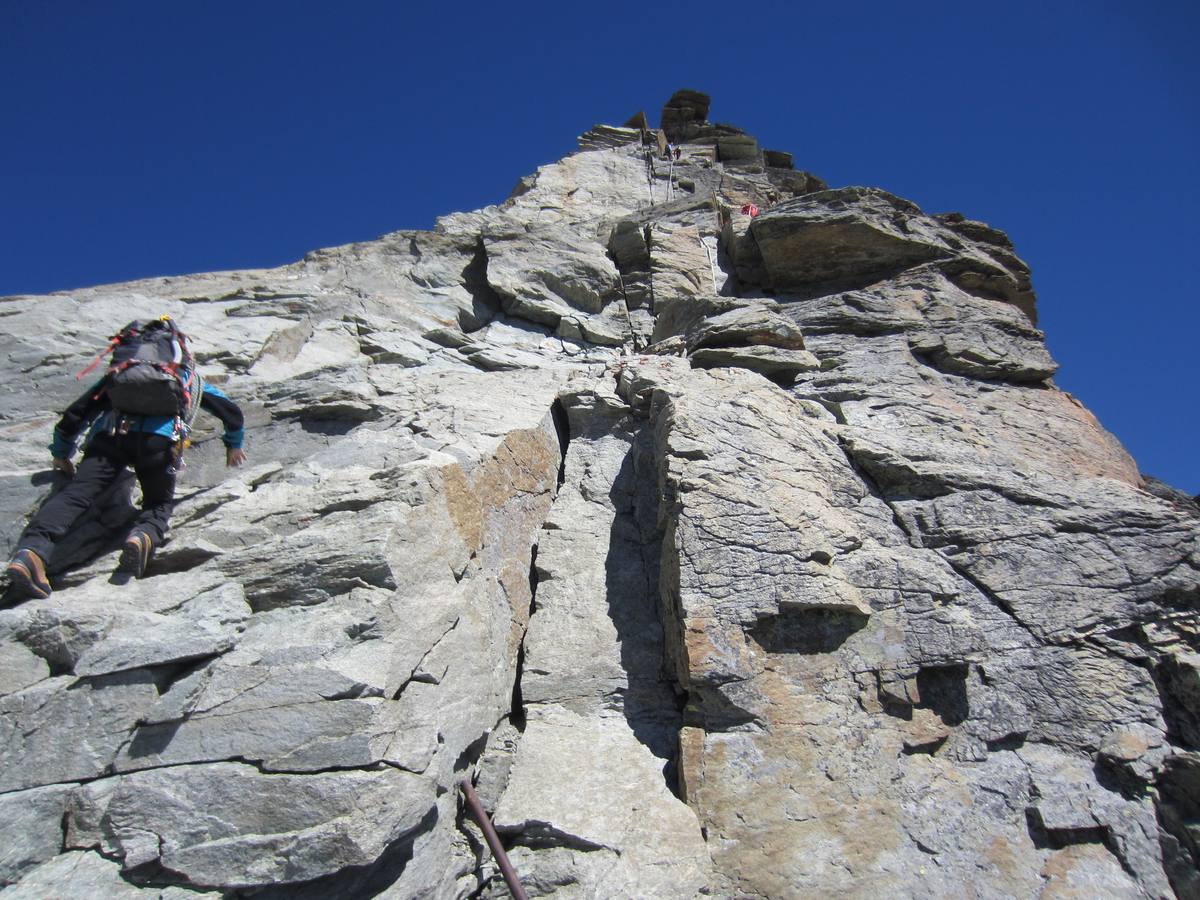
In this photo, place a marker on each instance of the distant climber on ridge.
(138, 415)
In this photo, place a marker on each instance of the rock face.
(729, 557)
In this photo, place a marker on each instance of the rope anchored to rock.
(493, 840)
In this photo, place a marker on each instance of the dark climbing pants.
(153, 461)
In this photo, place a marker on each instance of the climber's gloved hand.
(63, 465)
(234, 456)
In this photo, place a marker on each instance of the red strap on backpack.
(100, 357)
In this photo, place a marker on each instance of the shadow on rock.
(631, 583)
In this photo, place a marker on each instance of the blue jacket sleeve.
(76, 418)
(214, 401)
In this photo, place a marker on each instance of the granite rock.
(730, 555)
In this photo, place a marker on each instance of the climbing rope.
(479, 814)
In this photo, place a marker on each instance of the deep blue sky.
(152, 138)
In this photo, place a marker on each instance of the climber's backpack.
(152, 373)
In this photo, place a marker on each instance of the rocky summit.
(726, 530)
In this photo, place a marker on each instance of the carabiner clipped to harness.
(178, 463)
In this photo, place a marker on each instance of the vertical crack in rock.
(601, 720)
(562, 430)
(485, 302)
(628, 248)
(651, 702)
(516, 711)
(614, 472)
(490, 762)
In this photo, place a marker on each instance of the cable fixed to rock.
(650, 172)
(493, 840)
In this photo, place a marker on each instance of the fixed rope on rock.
(712, 266)
(479, 814)
(650, 173)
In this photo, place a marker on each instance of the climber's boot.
(27, 572)
(135, 554)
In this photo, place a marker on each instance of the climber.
(677, 152)
(138, 415)
(750, 210)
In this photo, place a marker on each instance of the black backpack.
(152, 372)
